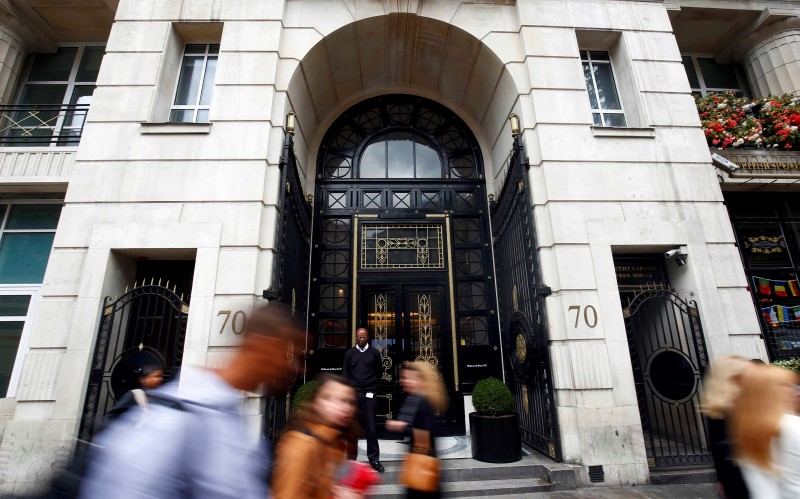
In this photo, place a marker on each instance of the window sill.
(609, 131)
(174, 128)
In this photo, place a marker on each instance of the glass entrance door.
(408, 321)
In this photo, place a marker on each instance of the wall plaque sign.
(758, 163)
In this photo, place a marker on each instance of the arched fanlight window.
(399, 137)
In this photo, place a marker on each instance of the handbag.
(420, 470)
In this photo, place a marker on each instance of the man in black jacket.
(362, 364)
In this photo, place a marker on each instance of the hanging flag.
(781, 313)
(763, 286)
(794, 289)
(796, 310)
(780, 288)
(769, 315)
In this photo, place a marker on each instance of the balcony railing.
(42, 125)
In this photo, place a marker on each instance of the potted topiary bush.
(494, 427)
(791, 364)
(304, 394)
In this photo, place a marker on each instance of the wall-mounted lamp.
(291, 121)
(309, 199)
(491, 198)
(515, 129)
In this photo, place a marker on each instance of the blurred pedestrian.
(426, 396)
(720, 390)
(149, 377)
(362, 367)
(766, 432)
(193, 442)
(314, 448)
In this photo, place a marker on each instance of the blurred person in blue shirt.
(193, 441)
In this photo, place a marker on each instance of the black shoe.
(377, 466)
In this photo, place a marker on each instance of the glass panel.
(333, 297)
(23, 257)
(429, 165)
(372, 199)
(213, 49)
(333, 334)
(33, 216)
(43, 94)
(614, 119)
(3, 211)
(14, 305)
(401, 199)
(334, 263)
(471, 295)
(401, 246)
(338, 167)
(751, 206)
(373, 160)
(401, 155)
(82, 96)
(688, 65)
(425, 326)
(584, 54)
(474, 331)
(381, 325)
(10, 335)
(202, 116)
(469, 262)
(599, 55)
(597, 119)
(195, 48)
(718, 75)
(606, 88)
(189, 82)
(53, 67)
(181, 116)
(208, 82)
(587, 75)
(336, 231)
(90, 64)
(763, 245)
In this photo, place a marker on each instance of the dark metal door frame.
(669, 358)
(521, 295)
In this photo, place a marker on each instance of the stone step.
(672, 477)
(472, 488)
(459, 470)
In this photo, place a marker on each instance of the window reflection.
(400, 155)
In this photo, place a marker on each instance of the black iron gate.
(669, 358)
(290, 274)
(146, 325)
(522, 309)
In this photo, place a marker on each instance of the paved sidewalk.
(690, 491)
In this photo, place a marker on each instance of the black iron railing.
(42, 125)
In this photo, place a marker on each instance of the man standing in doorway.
(361, 367)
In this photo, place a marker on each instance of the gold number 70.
(237, 325)
(589, 315)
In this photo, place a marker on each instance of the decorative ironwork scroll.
(382, 319)
(425, 330)
(522, 308)
(399, 246)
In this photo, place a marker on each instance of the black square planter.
(495, 439)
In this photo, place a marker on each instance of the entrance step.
(471, 478)
(672, 477)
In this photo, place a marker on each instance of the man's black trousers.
(366, 413)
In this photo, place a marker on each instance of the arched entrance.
(402, 246)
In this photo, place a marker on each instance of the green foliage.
(491, 397)
(791, 364)
(304, 394)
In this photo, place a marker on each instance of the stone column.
(771, 58)
(12, 55)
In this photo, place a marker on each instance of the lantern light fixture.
(291, 122)
(515, 129)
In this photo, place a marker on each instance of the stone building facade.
(163, 161)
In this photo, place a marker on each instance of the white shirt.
(785, 483)
(360, 349)
(201, 451)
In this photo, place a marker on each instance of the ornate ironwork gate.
(669, 358)
(290, 274)
(522, 309)
(144, 326)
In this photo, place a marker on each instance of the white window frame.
(22, 289)
(603, 112)
(71, 83)
(197, 106)
(27, 320)
(743, 88)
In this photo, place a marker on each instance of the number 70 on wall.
(589, 315)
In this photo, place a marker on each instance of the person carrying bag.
(421, 473)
